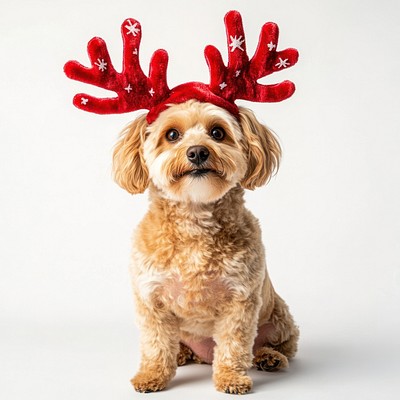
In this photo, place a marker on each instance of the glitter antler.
(134, 90)
(238, 80)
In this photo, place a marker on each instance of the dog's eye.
(172, 135)
(217, 133)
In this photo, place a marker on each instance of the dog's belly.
(204, 348)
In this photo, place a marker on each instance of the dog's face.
(195, 152)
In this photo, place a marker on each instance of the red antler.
(134, 90)
(238, 80)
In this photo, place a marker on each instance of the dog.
(200, 283)
(198, 265)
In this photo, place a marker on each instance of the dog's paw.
(185, 355)
(147, 382)
(267, 359)
(233, 383)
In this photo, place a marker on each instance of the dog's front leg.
(234, 335)
(159, 347)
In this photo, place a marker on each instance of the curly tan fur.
(263, 151)
(198, 265)
(130, 171)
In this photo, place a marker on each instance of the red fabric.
(237, 80)
(188, 91)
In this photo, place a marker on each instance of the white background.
(330, 217)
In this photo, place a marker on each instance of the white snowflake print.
(223, 85)
(129, 88)
(135, 52)
(101, 64)
(132, 28)
(271, 46)
(237, 73)
(84, 101)
(151, 91)
(236, 43)
(282, 63)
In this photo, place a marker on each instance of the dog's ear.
(130, 171)
(262, 149)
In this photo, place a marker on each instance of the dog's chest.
(193, 263)
(194, 278)
(189, 280)
(190, 294)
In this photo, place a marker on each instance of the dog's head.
(195, 152)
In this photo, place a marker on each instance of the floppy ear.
(262, 149)
(129, 169)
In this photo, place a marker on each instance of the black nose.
(197, 154)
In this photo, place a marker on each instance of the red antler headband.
(135, 91)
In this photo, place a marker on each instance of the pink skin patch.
(205, 348)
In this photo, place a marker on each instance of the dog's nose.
(197, 154)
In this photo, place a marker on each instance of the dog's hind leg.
(276, 341)
(268, 359)
(289, 347)
(286, 335)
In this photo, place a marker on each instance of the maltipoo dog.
(198, 267)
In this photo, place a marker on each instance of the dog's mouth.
(198, 173)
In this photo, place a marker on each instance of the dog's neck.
(225, 212)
